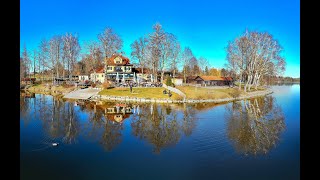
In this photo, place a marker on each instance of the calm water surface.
(252, 139)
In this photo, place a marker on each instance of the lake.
(251, 139)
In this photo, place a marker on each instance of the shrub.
(93, 85)
(169, 81)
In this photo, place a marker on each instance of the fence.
(174, 90)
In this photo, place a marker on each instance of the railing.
(175, 90)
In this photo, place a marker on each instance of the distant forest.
(281, 79)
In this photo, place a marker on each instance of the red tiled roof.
(125, 60)
(228, 78)
(98, 70)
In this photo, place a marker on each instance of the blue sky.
(204, 26)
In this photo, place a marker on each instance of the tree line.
(250, 58)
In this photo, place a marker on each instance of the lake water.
(253, 139)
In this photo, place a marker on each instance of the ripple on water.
(210, 144)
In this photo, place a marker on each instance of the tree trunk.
(240, 81)
(247, 85)
(250, 81)
(106, 73)
(69, 71)
(257, 82)
(52, 78)
(58, 57)
(57, 71)
(184, 76)
(34, 68)
(162, 74)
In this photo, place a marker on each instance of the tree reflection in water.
(105, 123)
(25, 108)
(255, 125)
(59, 119)
(160, 126)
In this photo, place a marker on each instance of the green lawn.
(156, 93)
(207, 93)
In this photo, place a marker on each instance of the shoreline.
(107, 98)
(46, 91)
(147, 100)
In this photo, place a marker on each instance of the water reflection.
(255, 126)
(210, 140)
(159, 125)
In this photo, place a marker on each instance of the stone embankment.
(135, 99)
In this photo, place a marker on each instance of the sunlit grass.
(42, 88)
(207, 93)
(156, 93)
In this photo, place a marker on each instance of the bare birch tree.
(254, 55)
(194, 66)
(156, 40)
(167, 52)
(26, 62)
(110, 42)
(203, 63)
(139, 51)
(22, 68)
(43, 56)
(175, 60)
(71, 49)
(35, 59)
(187, 55)
(56, 46)
(95, 57)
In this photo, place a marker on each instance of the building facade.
(118, 68)
(210, 80)
(98, 75)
